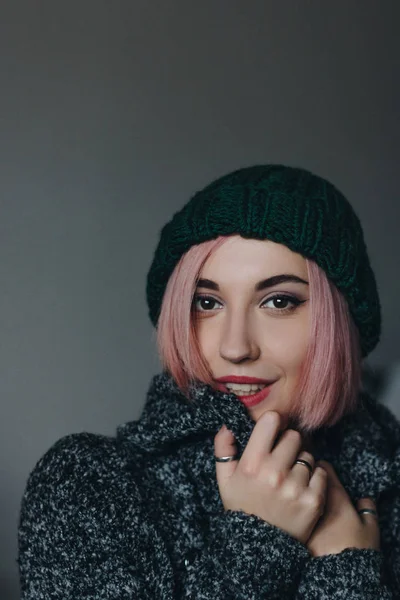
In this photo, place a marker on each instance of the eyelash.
(292, 299)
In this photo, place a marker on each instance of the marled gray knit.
(139, 515)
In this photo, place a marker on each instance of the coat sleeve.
(357, 574)
(352, 574)
(246, 558)
(84, 535)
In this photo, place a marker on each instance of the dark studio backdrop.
(112, 114)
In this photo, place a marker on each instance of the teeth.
(245, 388)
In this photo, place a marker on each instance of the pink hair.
(330, 377)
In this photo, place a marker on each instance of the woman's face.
(256, 333)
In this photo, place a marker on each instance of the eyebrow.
(261, 285)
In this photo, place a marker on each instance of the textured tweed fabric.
(139, 515)
(287, 205)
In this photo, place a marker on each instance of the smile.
(248, 399)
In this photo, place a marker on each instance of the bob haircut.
(330, 376)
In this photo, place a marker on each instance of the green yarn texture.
(287, 205)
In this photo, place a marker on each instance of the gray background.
(112, 114)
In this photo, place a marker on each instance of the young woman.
(259, 468)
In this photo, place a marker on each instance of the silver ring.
(369, 511)
(226, 458)
(301, 461)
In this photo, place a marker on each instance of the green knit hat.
(287, 205)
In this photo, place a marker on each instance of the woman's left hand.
(341, 526)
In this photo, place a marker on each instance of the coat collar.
(363, 452)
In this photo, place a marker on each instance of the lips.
(251, 399)
(243, 379)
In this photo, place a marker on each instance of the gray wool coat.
(139, 515)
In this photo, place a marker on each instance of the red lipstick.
(242, 379)
(251, 399)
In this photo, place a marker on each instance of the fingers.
(318, 480)
(287, 450)
(370, 521)
(301, 473)
(338, 494)
(334, 480)
(282, 449)
(367, 517)
(363, 503)
(261, 440)
(225, 445)
(318, 485)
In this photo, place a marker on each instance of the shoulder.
(76, 452)
(79, 468)
(81, 513)
(381, 420)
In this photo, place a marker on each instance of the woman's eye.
(281, 303)
(206, 302)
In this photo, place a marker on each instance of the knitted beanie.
(287, 205)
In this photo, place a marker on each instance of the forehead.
(248, 258)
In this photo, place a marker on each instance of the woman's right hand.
(265, 481)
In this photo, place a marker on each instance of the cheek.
(289, 344)
(207, 337)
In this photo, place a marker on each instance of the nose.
(238, 343)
